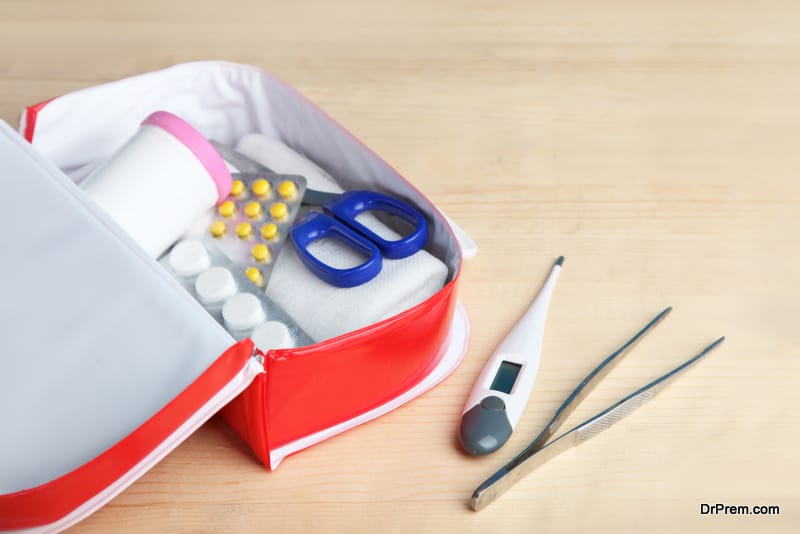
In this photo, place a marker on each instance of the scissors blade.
(313, 197)
(507, 476)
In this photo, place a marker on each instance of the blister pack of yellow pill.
(252, 224)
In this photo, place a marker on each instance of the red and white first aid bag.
(107, 363)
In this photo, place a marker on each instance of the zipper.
(258, 355)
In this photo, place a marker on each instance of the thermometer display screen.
(505, 377)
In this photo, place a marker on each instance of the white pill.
(189, 258)
(215, 285)
(272, 335)
(243, 311)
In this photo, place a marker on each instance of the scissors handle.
(348, 206)
(317, 225)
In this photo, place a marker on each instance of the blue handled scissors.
(338, 221)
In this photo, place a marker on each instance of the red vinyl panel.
(51, 501)
(310, 389)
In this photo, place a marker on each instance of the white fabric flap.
(96, 336)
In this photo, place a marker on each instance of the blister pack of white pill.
(230, 296)
(252, 224)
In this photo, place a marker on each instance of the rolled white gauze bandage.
(278, 157)
(162, 180)
(323, 310)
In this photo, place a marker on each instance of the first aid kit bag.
(112, 347)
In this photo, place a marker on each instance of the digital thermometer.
(500, 393)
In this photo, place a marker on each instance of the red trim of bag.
(54, 500)
(31, 114)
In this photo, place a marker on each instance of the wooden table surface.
(655, 146)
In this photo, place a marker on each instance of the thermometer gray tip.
(485, 427)
(560, 260)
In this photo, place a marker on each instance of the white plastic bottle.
(160, 181)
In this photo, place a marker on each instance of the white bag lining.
(224, 101)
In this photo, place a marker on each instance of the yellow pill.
(287, 190)
(260, 253)
(252, 210)
(244, 230)
(237, 188)
(269, 231)
(260, 188)
(227, 208)
(255, 276)
(217, 229)
(278, 211)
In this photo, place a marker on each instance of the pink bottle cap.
(200, 147)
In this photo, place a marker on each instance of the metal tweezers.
(540, 451)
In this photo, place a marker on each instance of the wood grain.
(653, 144)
